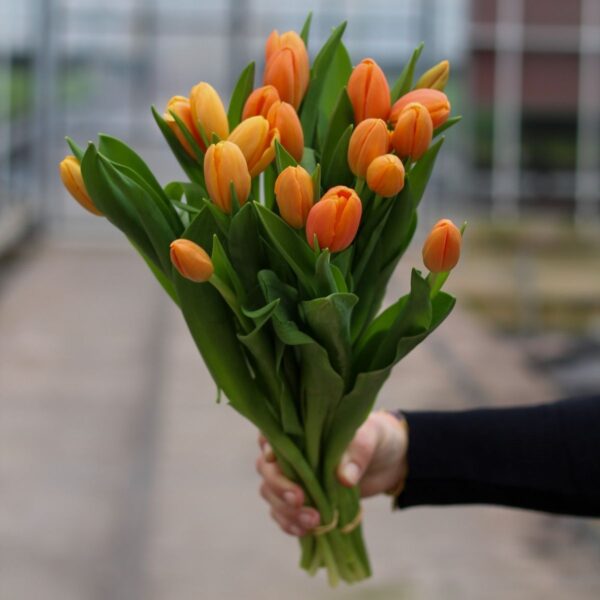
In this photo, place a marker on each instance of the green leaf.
(269, 177)
(221, 219)
(191, 140)
(338, 171)
(341, 118)
(316, 181)
(75, 149)
(421, 172)
(404, 82)
(291, 246)
(190, 166)
(224, 269)
(262, 315)
(241, 91)
(193, 192)
(283, 158)
(318, 76)
(309, 160)
(304, 32)
(449, 123)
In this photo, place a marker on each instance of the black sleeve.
(544, 457)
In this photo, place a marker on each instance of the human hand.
(375, 460)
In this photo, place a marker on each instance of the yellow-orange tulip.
(208, 111)
(334, 219)
(224, 164)
(256, 140)
(435, 101)
(191, 260)
(435, 78)
(441, 250)
(70, 173)
(294, 195)
(287, 67)
(181, 107)
(369, 140)
(413, 132)
(260, 101)
(283, 117)
(369, 91)
(385, 175)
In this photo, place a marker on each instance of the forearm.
(543, 457)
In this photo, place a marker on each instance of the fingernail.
(295, 530)
(351, 473)
(308, 520)
(267, 450)
(289, 498)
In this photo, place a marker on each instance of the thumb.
(358, 455)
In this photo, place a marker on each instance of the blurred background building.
(117, 478)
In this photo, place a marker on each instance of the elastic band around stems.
(323, 529)
(352, 525)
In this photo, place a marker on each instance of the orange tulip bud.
(287, 67)
(70, 173)
(385, 175)
(413, 131)
(260, 101)
(334, 219)
(208, 112)
(284, 118)
(181, 107)
(435, 101)
(369, 91)
(369, 140)
(435, 78)
(256, 140)
(441, 250)
(224, 164)
(294, 194)
(191, 260)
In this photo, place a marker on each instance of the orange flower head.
(294, 195)
(256, 140)
(260, 101)
(287, 67)
(180, 105)
(369, 91)
(334, 219)
(283, 117)
(385, 175)
(435, 78)
(435, 101)
(369, 140)
(225, 164)
(413, 132)
(208, 112)
(70, 173)
(441, 250)
(191, 260)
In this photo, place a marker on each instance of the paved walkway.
(122, 479)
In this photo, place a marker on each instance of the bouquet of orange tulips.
(301, 199)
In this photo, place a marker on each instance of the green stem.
(436, 281)
(230, 298)
(360, 186)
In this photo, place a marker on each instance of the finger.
(289, 492)
(358, 455)
(304, 517)
(287, 526)
(266, 448)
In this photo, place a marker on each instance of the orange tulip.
(441, 250)
(334, 219)
(260, 101)
(256, 140)
(369, 140)
(294, 195)
(287, 66)
(413, 131)
(435, 101)
(180, 105)
(435, 78)
(385, 175)
(70, 173)
(208, 112)
(191, 260)
(284, 118)
(224, 164)
(369, 91)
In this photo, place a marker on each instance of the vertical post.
(506, 149)
(587, 176)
